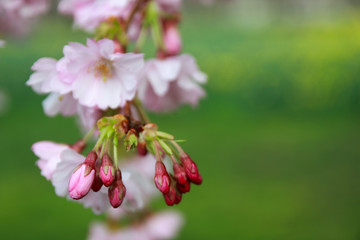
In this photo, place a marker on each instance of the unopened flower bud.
(107, 170)
(191, 169)
(178, 196)
(198, 180)
(97, 184)
(131, 139)
(151, 126)
(149, 134)
(162, 178)
(141, 147)
(117, 191)
(179, 173)
(170, 197)
(183, 188)
(83, 177)
(172, 39)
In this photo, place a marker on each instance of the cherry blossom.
(159, 226)
(49, 154)
(95, 69)
(167, 83)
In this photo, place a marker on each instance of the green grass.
(277, 139)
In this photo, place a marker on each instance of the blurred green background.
(277, 139)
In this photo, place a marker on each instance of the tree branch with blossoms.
(109, 86)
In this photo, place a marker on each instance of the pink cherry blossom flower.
(66, 105)
(90, 14)
(69, 6)
(164, 225)
(15, 15)
(49, 154)
(26, 9)
(45, 79)
(98, 76)
(64, 169)
(159, 226)
(88, 117)
(56, 103)
(167, 83)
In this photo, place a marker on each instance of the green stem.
(174, 150)
(141, 40)
(89, 134)
(100, 140)
(103, 149)
(158, 156)
(115, 149)
(140, 109)
(177, 147)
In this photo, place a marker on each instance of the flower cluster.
(108, 84)
(163, 225)
(15, 15)
(58, 162)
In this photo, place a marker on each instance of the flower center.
(103, 69)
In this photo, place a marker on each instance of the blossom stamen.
(103, 69)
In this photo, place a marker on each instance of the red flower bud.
(107, 170)
(82, 178)
(162, 178)
(183, 188)
(191, 169)
(141, 147)
(198, 181)
(170, 197)
(117, 191)
(179, 173)
(178, 196)
(97, 184)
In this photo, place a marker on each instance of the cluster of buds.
(100, 167)
(95, 172)
(185, 171)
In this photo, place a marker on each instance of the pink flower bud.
(183, 188)
(172, 39)
(83, 177)
(117, 191)
(162, 178)
(97, 184)
(179, 173)
(107, 170)
(191, 169)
